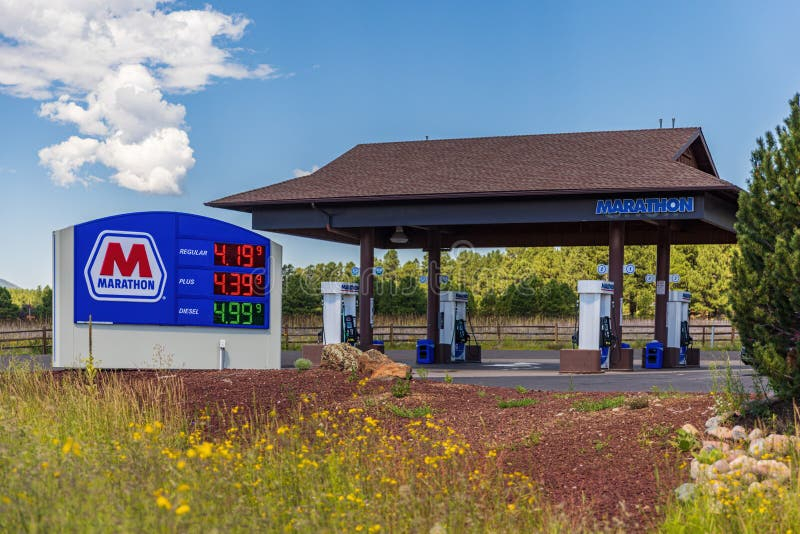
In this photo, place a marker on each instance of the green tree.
(301, 294)
(8, 310)
(765, 294)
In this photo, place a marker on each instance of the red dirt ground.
(613, 465)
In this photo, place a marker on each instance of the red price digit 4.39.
(239, 284)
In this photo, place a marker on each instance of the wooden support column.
(434, 270)
(662, 282)
(616, 259)
(366, 287)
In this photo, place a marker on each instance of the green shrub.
(602, 404)
(515, 403)
(401, 388)
(302, 364)
(410, 413)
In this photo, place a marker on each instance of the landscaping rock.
(738, 433)
(754, 435)
(690, 429)
(721, 466)
(340, 357)
(757, 447)
(720, 432)
(713, 422)
(370, 361)
(777, 444)
(685, 491)
(773, 469)
(391, 370)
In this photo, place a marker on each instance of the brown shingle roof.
(571, 163)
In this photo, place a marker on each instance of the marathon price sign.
(164, 268)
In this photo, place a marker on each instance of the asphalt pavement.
(538, 370)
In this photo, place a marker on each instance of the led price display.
(239, 255)
(233, 312)
(171, 269)
(239, 284)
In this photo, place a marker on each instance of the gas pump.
(339, 312)
(453, 323)
(594, 318)
(678, 323)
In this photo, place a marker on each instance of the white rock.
(743, 464)
(777, 444)
(773, 469)
(738, 433)
(755, 434)
(720, 432)
(757, 447)
(721, 466)
(713, 422)
(685, 491)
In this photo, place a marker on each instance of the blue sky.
(340, 74)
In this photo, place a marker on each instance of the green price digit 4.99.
(238, 313)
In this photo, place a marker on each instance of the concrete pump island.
(641, 187)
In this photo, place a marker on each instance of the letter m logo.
(125, 266)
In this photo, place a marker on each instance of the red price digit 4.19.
(237, 255)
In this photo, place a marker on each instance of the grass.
(410, 413)
(598, 405)
(515, 403)
(126, 457)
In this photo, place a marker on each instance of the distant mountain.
(9, 285)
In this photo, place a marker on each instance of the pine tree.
(8, 310)
(765, 294)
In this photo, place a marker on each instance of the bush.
(401, 388)
(302, 364)
(766, 270)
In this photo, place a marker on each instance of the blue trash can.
(624, 345)
(424, 351)
(654, 355)
(378, 345)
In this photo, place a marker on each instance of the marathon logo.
(644, 205)
(125, 266)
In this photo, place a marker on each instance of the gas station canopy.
(529, 190)
(637, 187)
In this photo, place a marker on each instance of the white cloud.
(300, 172)
(103, 66)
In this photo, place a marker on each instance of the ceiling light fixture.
(398, 236)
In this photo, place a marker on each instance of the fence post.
(391, 333)
(556, 331)
(44, 340)
(286, 335)
(713, 331)
(733, 333)
(498, 332)
(704, 335)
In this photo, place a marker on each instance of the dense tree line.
(23, 303)
(523, 281)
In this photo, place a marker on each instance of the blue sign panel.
(614, 206)
(164, 268)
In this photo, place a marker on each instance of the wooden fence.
(30, 341)
(297, 331)
(704, 332)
